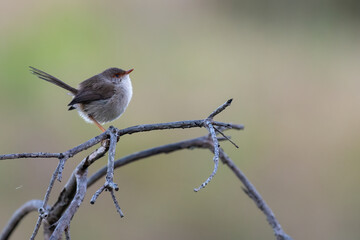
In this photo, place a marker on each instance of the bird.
(99, 99)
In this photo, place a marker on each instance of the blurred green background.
(291, 67)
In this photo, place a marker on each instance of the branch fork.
(208, 122)
(109, 184)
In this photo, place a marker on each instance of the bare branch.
(226, 137)
(220, 109)
(174, 125)
(42, 212)
(130, 130)
(111, 158)
(37, 227)
(59, 217)
(118, 209)
(88, 144)
(211, 130)
(30, 155)
(68, 192)
(201, 142)
(97, 193)
(215, 143)
(109, 183)
(64, 221)
(251, 191)
(19, 214)
(61, 167)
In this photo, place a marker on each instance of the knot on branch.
(43, 212)
(109, 186)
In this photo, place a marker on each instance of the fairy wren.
(99, 99)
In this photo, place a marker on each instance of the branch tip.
(220, 109)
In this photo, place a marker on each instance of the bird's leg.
(97, 124)
(104, 142)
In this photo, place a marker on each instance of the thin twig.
(61, 167)
(211, 130)
(168, 148)
(210, 127)
(30, 155)
(69, 190)
(220, 109)
(226, 137)
(109, 183)
(130, 130)
(251, 191)
(64, 221)
(70, 153)
(174, 125)
(46, 199)
(97, 194)
(88, 144)
(118, 209)
(19, 214)
(51, 184)
(36, 228)
(110, 172)
(201, 142)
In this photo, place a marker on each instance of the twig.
(70, 153)
(201, 142)
(19, 214)
(110, 172)
(216, 155)
(251, 191)
(97, 194)
(68, 193)
(59, 206)
(174, 125)
(73, 193)
(109, 183)
(220, 109)
(37, 227)
(30, 155)
(64, 221)
(211, 130)
(226, 137)
(61, 167)
(80, 177)
(118, 209)
(42, 211)
(130, 130)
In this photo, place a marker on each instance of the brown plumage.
(99, 99)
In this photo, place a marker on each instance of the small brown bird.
(99, 99)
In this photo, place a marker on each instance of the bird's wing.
(95, 92)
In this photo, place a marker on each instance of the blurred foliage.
(291, 67)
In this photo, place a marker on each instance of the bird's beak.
(129, 71)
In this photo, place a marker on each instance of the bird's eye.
(117, 75)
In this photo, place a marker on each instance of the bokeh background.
(292, 68)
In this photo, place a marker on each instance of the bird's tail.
(47, 77)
